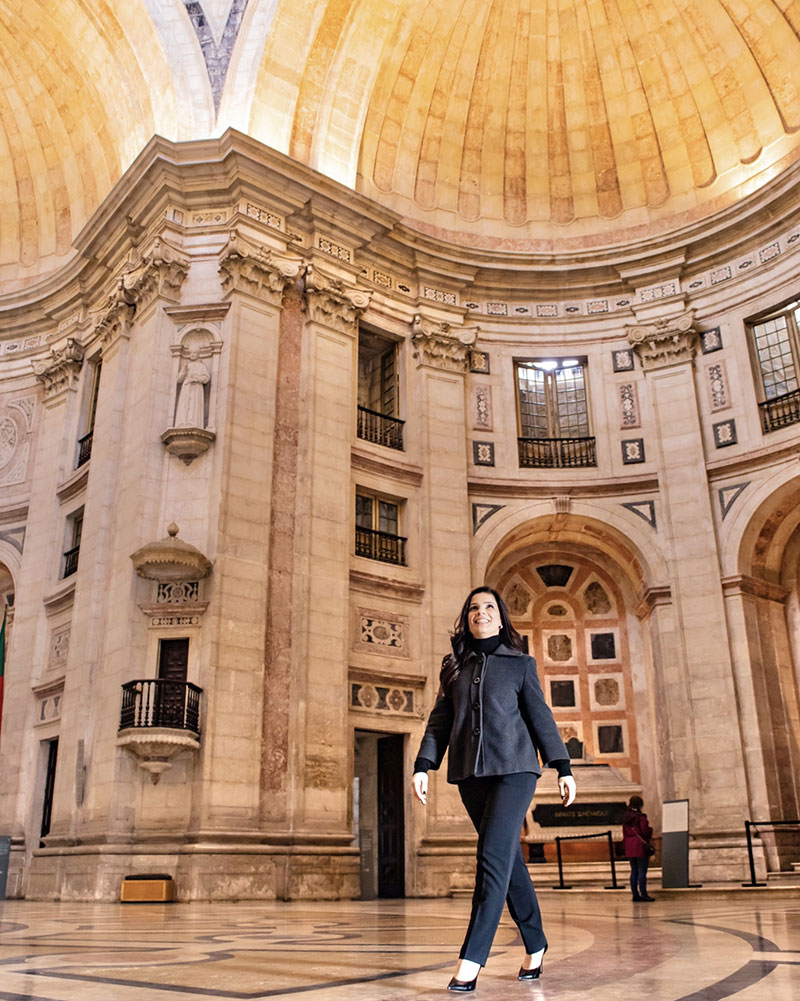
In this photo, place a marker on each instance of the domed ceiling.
(518, 124)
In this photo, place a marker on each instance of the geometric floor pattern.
(603, 947)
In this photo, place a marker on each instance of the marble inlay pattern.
(603, 947)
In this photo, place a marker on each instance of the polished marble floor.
(603, 947)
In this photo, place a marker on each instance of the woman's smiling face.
(483, 615)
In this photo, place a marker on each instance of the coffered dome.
(517, 124)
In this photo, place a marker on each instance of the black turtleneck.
(486, 646)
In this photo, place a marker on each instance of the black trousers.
(497, 806)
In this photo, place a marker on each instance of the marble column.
(700, 742)
(441, 353)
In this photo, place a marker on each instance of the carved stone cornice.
(651, 598)
(258, 271)
(665, 341)
(754, 587)
(333, 302)
(61, 370)
(441, 346)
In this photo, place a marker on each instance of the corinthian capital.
(665, 341)
(158, 273)
(244, 267)
(440, 345)
(333, 302)
(60, 371)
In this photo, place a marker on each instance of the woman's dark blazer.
(494, 720)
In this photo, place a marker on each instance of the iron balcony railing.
(781, 411)
(84, 449)
(71, 561)
(381, 546)
(561, 453)
(380, 428)
(160, 702)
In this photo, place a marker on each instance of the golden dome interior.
(518, 124)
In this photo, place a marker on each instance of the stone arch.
(618, 536)
(763, 608)
(611, 687)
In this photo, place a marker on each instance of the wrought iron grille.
(548, 453)
(160, 702)
(381, 546)
(781, 411)
(380, 428)
(71, 561)
(84, 449)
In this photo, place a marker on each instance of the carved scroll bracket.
(440, 345)
(333, 302)
(666, 341)
(245, 267)
(61, 370)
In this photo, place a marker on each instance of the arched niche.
(576, 590)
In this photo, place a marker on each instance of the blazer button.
(476, 680)
(477, 731)
(476, 705)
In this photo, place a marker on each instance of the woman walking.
(636, 835)
(492, 716)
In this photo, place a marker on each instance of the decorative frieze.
(332, 302)
(177, 592)
(717, 385)
(256, 270)
(16, 427)
(59, 648)
(482, 408)
(441, 346)
(643, 509)
(483, 453)
(481, 514)
(725, 433)
(633, 451)
(380, 633)
(61, 370)
(628, 406)
(666, 341)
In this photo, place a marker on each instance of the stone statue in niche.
(192, 379)
(189, 435)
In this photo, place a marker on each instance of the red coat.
(635, 830)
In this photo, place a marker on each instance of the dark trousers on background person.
(639, 876)
(497, 805)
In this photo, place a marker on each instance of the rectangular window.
(554, 413)
(378, 402)
(775, 342)
(377, 527)
(73, 540)
(85, 441)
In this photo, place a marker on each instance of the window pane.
(363, 511)
(773, 346)
(571, 402)
(532, 402)
(387, 517)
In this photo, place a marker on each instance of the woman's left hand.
(567, 788)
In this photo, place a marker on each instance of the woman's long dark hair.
(455, 661)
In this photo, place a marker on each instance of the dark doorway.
(380, 813)
(391, 815)
(173, 662)
(49, 785)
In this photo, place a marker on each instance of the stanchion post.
(751, 857)
(614, 885)
(561, 885)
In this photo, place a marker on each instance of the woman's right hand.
(419, 783)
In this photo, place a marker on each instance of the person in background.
(492, 716)
(636, 840)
